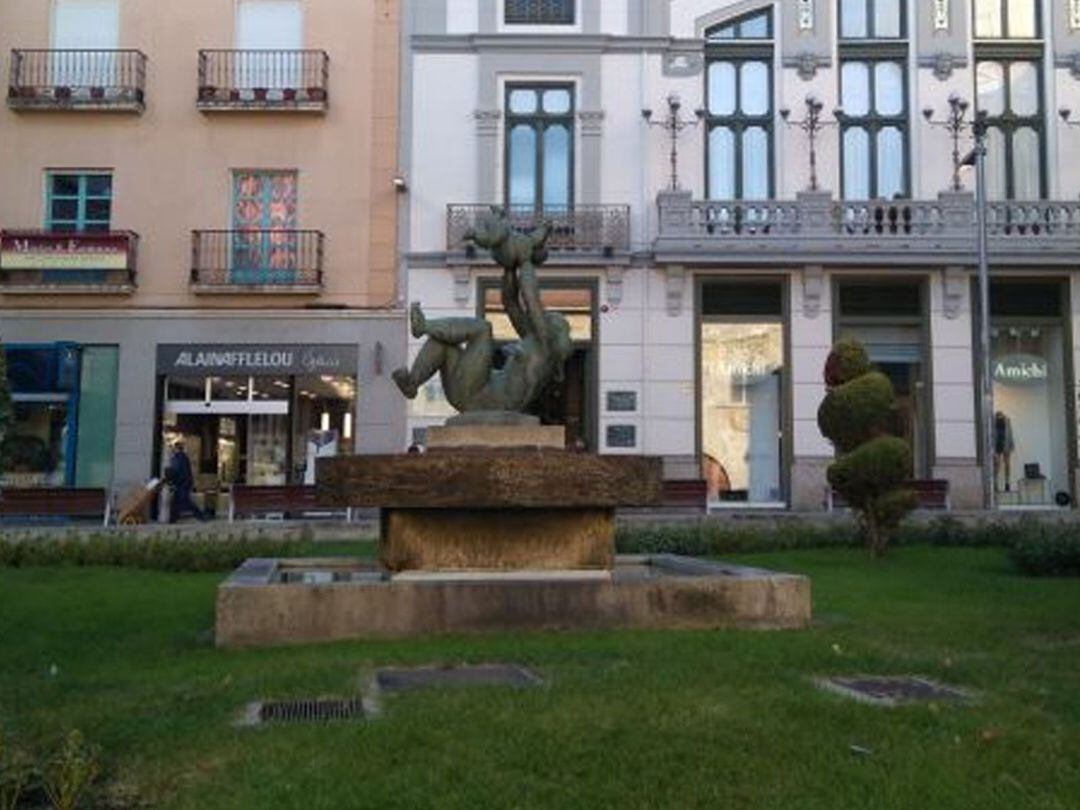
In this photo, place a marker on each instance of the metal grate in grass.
(892, 690)
(310, 710)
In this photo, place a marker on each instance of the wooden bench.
(932, 493)
(691, 492)
(250, 501)
(67, 502)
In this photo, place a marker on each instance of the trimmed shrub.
(856, 416)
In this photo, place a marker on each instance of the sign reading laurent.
(256, 358)
(28, 250)
(1020, 369)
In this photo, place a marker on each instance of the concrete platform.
(271, 602)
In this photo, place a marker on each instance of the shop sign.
(50, 251)
(257, 359)
(1020, 369)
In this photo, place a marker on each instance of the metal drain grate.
(403, 680)
(319, 710)
(891, 691)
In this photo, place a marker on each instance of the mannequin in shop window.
(1003, 450)
(181, 481)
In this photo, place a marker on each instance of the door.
(85, 36)
(265, 247)
(269, 34)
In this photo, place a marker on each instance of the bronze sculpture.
(462, 350)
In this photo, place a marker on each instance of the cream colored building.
(199, 224)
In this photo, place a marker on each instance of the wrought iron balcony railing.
(33, 261)
(257, 260)
(816, 227)
(264, 80)
(77, 80)
(584, 229)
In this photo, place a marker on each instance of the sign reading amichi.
(1020, 369)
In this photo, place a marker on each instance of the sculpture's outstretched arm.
(511, 296)
(530, 299)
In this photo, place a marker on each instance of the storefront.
(256, 414)
(64, 397)
(1028, 366)
(742, 390)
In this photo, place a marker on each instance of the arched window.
(739, 108)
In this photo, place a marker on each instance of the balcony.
(582, 234)
(86, 80)
(814, 228)
(286, 81)
(36, 262)
(257, 261)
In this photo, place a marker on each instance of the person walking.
(181, 481)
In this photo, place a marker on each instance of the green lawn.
(627, 719)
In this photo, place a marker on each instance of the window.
(79, 202)
(271, 33)
(85, 33)
(539, 12)
(1006, 19)
(738, 89)
(872, 19)
(265, 246)
(873, 127)
(540, 146)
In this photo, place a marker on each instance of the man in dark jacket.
(179, 477)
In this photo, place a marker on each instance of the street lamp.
(674, 124)
(811, 125)
(957, 123)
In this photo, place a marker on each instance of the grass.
(626, 719)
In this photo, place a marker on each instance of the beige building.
(198, 212)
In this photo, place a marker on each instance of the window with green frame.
(872, 19)
(540, 146)
(873, 128)
(1009, 90)
(1006, 19)
(78, 202)
(739, 108)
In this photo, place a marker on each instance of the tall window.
(739, 109)
(873, 96)
(84, 35)
(1009, 89)
(540, 145)
(274, 29)
(79, 202)
(1006, 19)
(539, 12)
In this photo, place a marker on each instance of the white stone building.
(704, 312)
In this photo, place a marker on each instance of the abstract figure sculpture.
(462, 350)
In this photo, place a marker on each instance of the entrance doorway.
(570, 401)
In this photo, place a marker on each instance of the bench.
(931, 493)
(67, 502)
(250, 501)
(690, 492)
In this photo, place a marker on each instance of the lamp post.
(674, 124)
(956, 123)
(811, 125)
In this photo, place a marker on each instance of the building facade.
(199, 226)
(706, 285)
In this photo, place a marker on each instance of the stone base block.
(503, 539)
(487, 436)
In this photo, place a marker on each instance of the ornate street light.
(955, 124)
(811, 125)
(674, 124)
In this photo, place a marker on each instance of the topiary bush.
(857, 416)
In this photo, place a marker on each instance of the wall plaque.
(622, 436)
(622, 400)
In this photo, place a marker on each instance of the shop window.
(887, 300)
(540, 146)
(79, 202)
(742, 393)
(1006, 19)
(1030, 437)
(538, 12)
(266, 248)
(739, 119)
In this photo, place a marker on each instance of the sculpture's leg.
(431, 357)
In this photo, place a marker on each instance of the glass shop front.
(1030, 437)
(254, 414)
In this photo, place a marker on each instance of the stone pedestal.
(493, 498)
